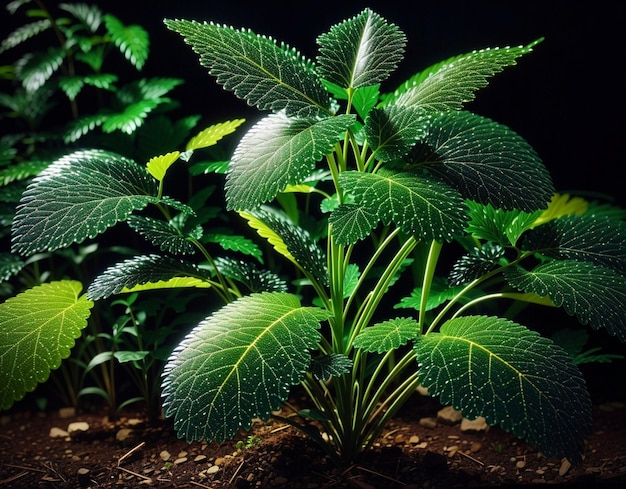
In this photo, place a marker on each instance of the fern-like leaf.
(23, 33)
(497, 225)
(133, 40)
(35, 69)
(88, 15)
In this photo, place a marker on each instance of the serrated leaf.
(594, 294)
(89, 15)
(562, 205)
(246, 273)
(132, 40)
(497, 225)
(291, 241)
(71, 85)
(158, 165)
(351, 223)
(212, 134)
(256, 69)
(78, 197)
(420, 206)
(485, 161)
(131, 118)
(235, 243)
(239, 364)
(37, 330)
(493, 367)
(449, 84)
(141, 270)
(23, 33)
(162, 234)
(10, 265)
(596, 239)
(360, 51)
(78, 128)
(22, 170)
(387, 336)
(35, 69)
(391, 131)
(440, 291)
(172, 283)
(276, 152)
(476, 263)
(326, 366)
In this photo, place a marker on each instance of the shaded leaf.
(23, 33)
(162, 234)
(10, 265)
(235, 243)
(239, 364)
(476, 263)
(132, 40)
(246, 273)
(35, 69)
(440, 292)
(492, 367)
(37, 330)
(326, 366)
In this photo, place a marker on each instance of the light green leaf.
(37, 330)
(276, 152)
(440, 292)
(497, 225)
(360, 51)
(485, 161)
(35, 69)
(78, 197)
(449, 84)
(172, 283)
(158, 165)
(212, 134)
(132, 40)
(239, 364)
(141, 270)
(22, 170)
(492, 367)
(131, 118)
(421, 206)
(235, 243)
(594, 294)
(267, 75)
(387, 336)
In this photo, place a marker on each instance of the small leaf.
(172, 283)
(37, 330)
(594, 294)
(440, 291)
(23, 33)
(133, 40)
(246, 273)
(235, 243)
(276, 152)
(351, 223)
(476, 263)
(497, 225)
(388, 335)
(162, 234)
(10, 265)
(326, 366)
(89, 15)
(239, 364)
(562, 205)
(78, 197)
(361, 51)
(158, 165)
(212, 134)
(492, 367)
(267, 75)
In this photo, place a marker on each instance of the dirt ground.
(128, 452)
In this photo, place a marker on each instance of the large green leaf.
(449, 84)
(421, 206)
(361, 51)
(588, 237)
(37, 330)
(492, 367)
(78, 197)
(141, 270)
(276, 152)
(239, 364)
(267, 75)
(486, 161)
(596, 295)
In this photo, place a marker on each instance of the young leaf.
(440, 292)
(388, 335)
(594, 294)
(141, 270)
(497, 225)
(361, 51)
(158, 165)
(276, 152)
(78, 197)
(239, 364)
(450, 84)
(486, 161)
(235, 243)
(38, 329)
(256, 68)
(351, 223)
(562, 205)
(492, 367)
(404, 198)
(132, 40)
(211, 135)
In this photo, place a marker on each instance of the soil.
(408, 455)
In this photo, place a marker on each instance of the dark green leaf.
(22, 171)
(162, 234)
(141, 270)
(351, 223)
(89, 15)
(34, 70)
(78, 197)
(256, 68)
(10, 265)
(235, 243)
(23, 33)
(486, 161)
(497, 225)
(326, 366)
(239, 364)
(420, 206)
(276, 152)
(360, 51)
(252, 277)
(132, 40)
(387, 336)
(594, 294)
(476, 263)
(492, 367)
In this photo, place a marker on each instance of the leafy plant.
(379, 201)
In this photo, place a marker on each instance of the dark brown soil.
(408, 455)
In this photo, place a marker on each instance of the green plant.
(369, 196)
